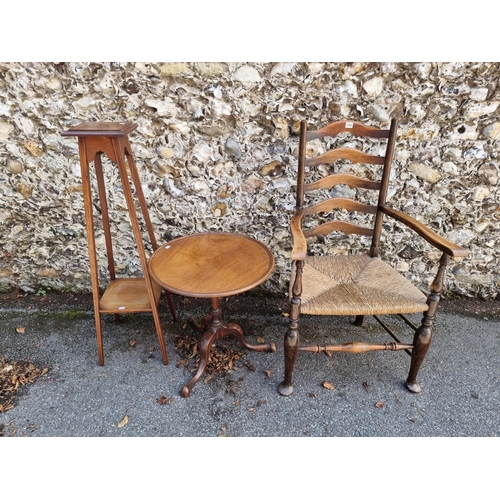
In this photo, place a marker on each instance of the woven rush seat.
(354, 285)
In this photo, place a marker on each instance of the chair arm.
(299, 248)
(434, 239)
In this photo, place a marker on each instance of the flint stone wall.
(216, 147)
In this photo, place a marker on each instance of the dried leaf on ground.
(328, 385)
(379, 404)
(124, 422)
(268, 373)
(14, 375)
(164, 400)
(221, 359)
(20, 329)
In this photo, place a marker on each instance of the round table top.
(211, 264)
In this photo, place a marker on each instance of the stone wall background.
(216, 150)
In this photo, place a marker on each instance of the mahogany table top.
(211, 264)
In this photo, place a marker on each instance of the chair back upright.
(330, 180)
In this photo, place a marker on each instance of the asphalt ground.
(135, 395)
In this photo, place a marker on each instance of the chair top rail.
(353, 127)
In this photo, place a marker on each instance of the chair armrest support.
(299, 248)
(434, 239)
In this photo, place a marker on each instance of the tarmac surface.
(134, 394)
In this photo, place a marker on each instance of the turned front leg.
(423, 335)
(292, 338)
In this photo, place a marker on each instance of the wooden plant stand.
(122, 295)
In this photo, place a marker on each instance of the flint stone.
(272, 169)
(170, 188)
(165, 152)
(282, 185)
(475, 153)
(282, 69)
(165, 108)
(480, 193)
(232, 148)
(252, 185)
(106, 85)
(380, 112)
(213, 130)
(281, 130)
(481, 226)
(450, 168)
(490, 207)
(489, 173)
(203, 152)
(417, 111)
(315, 68)
(424, 69)
(211, 69)
(47, 273)
(219, 210)
(24, 189)
(174, 69)
(4, 110)
(86, 103)
(464, 133)
(425, 89)
(374, 87)
(461, 236)
(424, 172)
(247, 74)
(349, 88)
(478, 110)
(14, 166)
(200, 186)
(492, 131)
(479, 94)
(179, 128)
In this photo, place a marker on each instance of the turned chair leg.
(421, 344)
(291, 349)
(423, 334)
(292, 338)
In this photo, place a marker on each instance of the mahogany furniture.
(353, 285)
(122, 295)
(212, 265)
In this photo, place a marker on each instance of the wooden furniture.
(122, 295)
(212, 265)
(353, 285)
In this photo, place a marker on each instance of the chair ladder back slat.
(348, 204)
(336, 225)
(348, 179)
(351, 154)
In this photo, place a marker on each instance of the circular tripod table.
(212, 265)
